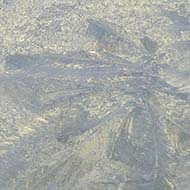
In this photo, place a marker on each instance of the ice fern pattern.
(122, 125)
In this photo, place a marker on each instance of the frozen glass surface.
(94, 95)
